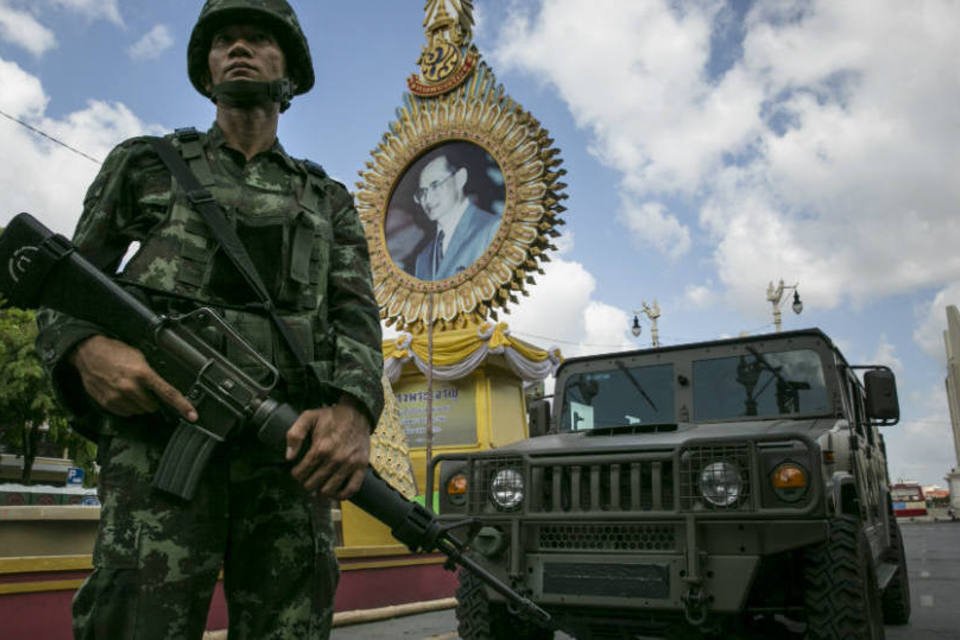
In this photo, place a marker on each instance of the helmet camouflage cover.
(277, 15)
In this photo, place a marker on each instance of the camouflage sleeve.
(353, 313)
(102, 236)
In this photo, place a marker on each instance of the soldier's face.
(245, 52)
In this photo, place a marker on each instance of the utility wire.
(665, 341)
(570, 342)
(49, 137)
(611, 347)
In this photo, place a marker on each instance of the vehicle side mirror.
(538, 417)
(882, 403)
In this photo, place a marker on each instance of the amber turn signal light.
(789, 481)
(457, 485)
(457, 490)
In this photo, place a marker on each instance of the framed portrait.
(459, 202)
(445, 210)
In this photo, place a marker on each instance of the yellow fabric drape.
(456, 346)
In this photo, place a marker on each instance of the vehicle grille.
(606, 537)
(622, 580)
(637, 482)
(626, 486)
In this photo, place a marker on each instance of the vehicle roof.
(765, 337)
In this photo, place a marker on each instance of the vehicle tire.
(896, 597)
(480, 619)
(841, 597)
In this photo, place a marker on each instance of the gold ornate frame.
(477, 111)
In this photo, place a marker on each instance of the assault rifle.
(41, 269)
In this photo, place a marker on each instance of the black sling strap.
(204, 203)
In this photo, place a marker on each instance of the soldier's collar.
(215, 140)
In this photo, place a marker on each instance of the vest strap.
(191, 149)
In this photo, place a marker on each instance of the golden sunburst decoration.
(512, 162)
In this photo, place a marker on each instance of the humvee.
(707, 489)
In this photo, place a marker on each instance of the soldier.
(267, 525)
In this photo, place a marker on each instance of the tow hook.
(695, 606)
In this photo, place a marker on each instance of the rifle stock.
(40, 268)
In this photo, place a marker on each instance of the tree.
(26, 398)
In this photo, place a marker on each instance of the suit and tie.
(471, 237)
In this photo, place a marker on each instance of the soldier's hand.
(339, 451)
(120, 380)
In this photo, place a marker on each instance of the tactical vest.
(286, 224)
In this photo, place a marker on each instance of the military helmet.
(277, 14)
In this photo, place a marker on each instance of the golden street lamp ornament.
(775, 297)
(459, 150)
(652, 313)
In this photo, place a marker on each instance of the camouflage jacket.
(301, 231)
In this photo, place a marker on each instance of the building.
(952, 339)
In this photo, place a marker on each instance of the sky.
(711, 148)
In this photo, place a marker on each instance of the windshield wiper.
(635, 382)
(787, 385)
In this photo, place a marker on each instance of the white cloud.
(921, 447)
(654, 225)
(699, 296)
(886, 355)
(22, 95)
(555, 306)
(640, 90)
(605, 329)
(48, 180)
(561, 313)
(93, 9)
(753, 244)
(564, 243)
(152, 44)
(825, 155)
(23, 29)
(933, 322)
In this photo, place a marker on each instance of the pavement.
(933, 562)
(935, 514)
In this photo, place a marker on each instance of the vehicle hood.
(599, 442)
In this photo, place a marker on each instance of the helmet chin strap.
(250, 93)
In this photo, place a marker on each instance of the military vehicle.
(710, 489)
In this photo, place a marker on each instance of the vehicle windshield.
(759, 385)
(621, 396)
(903, 494)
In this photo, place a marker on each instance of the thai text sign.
(454, 413)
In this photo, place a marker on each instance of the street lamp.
(775, 296)
(652, 313)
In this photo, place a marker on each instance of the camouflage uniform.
(157, 558)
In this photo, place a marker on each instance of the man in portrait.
(462, 230)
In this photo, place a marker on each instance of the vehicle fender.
(843, 494)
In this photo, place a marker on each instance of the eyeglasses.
(421, 193)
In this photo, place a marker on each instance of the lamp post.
(775, 296)
(652, 313)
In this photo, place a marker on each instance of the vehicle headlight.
(506, 490)
(789, 481)
(720, 483)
